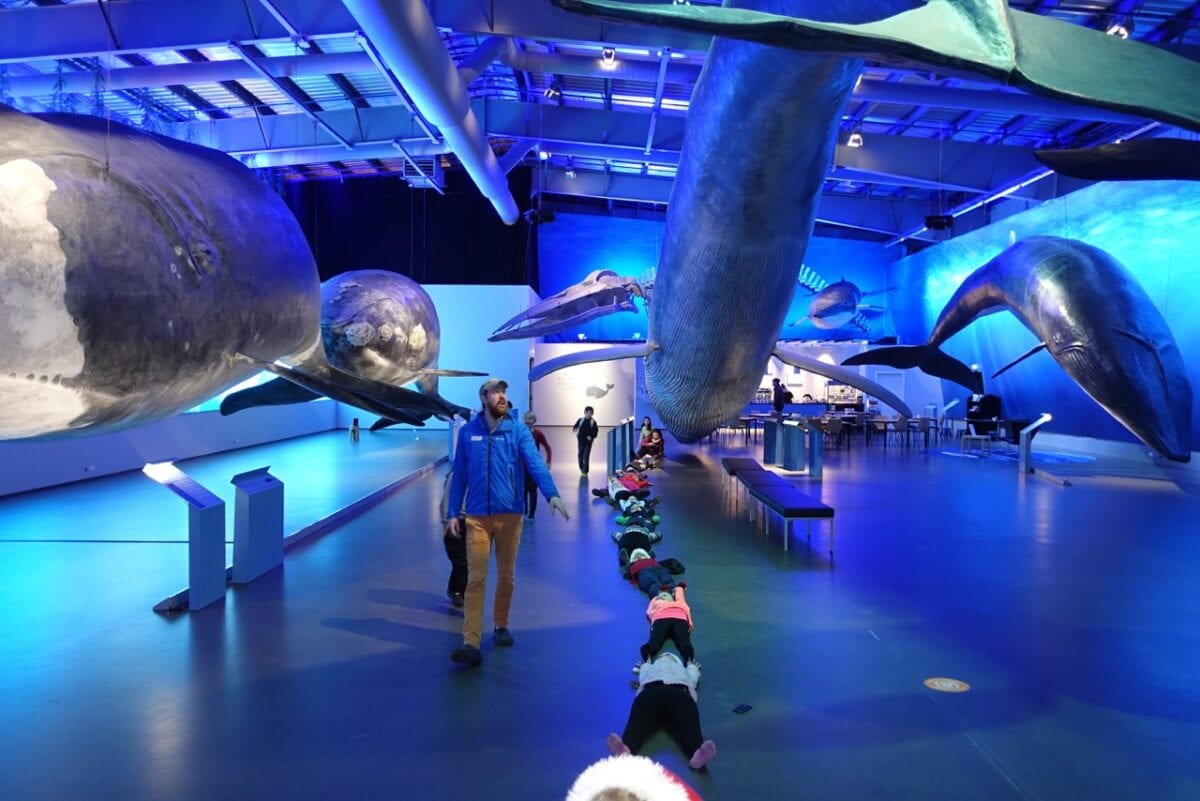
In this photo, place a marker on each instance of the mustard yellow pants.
(504, 531)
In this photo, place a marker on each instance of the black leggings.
(666, 706)
(531, 493)
(677, 630)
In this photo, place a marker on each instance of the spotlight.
(856, 139)
(683, 2)
(1121, 28)
(582, 336)
(543, 155)
(552, 91)
(608, 58)
(571, 173)
(939, 222)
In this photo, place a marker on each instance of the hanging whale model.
(838, 304)
(739, 219)
(1091, 316)
(375, 324)
(143, 275)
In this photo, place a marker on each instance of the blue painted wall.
(576, 244)
(1150, 227)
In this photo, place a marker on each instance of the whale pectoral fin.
(1021, 358)
(385, 400)
(929, 359)
(801, 321)
(982, 37)
(1138, 160)
(276, 392)
(851, 377)
(450, 373)
(590, 356)
(963, 35)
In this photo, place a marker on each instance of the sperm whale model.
(142, 275)
(739, 219)
(375, 324)
(1091, 316)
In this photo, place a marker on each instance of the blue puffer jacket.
(489, 467)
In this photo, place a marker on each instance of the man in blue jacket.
(493, 454)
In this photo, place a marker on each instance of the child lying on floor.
(666, 698)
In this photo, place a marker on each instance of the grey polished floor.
(1072, 613)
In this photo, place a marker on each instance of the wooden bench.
(776, 494)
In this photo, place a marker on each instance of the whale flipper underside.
(1138, 160)
(850, 377)
(276, 392)
(928, 358)
(977, 37)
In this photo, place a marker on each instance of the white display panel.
(608, 387)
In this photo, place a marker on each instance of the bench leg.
(831, 537)
(808, 530)
(787, 532)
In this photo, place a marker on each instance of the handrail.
(1025, 448)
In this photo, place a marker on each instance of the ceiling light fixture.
(571, 173)
(543, 155)
(856, 139)
(553, 91)
(1121, 28)
(608, 58)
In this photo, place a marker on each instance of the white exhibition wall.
(468, 316)
(33, 464)
(608, 387)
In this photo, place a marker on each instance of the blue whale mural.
(1091, 316)
(143, 275)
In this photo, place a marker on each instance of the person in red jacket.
(669, 617)
(531, 487)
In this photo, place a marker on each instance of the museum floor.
(1071, 612)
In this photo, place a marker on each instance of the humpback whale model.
(1091, 316)
(142, 275)
(375, 324)
(739, 219)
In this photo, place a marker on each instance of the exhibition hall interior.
(591, 399)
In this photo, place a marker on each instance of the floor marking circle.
(943, 685)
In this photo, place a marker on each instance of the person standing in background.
(531, 488)
(586, 431)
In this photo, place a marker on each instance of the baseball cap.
(492, 383)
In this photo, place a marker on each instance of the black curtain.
(381, 223)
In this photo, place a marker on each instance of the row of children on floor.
(667, 681)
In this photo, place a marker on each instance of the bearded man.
(493, 455)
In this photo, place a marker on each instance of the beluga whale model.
(739, 219)
(142, 275)
(1091, 316)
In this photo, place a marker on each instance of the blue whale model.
(142, 275)
(1091, 316)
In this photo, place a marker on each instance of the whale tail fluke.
(276, 392)
(928, 359)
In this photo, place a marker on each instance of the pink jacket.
(677, 609)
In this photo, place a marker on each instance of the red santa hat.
(643, 777)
